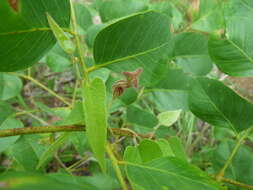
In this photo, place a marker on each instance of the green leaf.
(6, 142)
(215, 103)
(57, 60)
(31, 181)
(92, 33)
(149, 150)
(75, 117)
(6, 113)
(177, 148)
(132, 154)
(113, 9)
(52, 149)
(95, 112)
(168, 99)
(169, 173)
(120, 48)
(63, 39)
(27, 145)
(135, 115)
(192, 57)
(83, 15)
(168, 118)
(173, 78)
(169, 9)
(129, 96)
(25, 33)
(233, 55)
(240, 168)
(210, 17)
(11, 86)
(165, 147)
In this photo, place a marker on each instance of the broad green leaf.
(9, 123)
(113, 9)
(5, 111)
(165, 147)
(132, 154)
(169, 9)
(210, 17)
(83, 15)
(92, 33)
(63, 39)
(168, 99)
(234, 54)
(149, 150)
(191, 53)
(49, 152)
(57, 60)
(168, 118)
(136, 116)
(174, 78)
(177, 148)
(139, 41)
(129, 96)
(241, 166)
(32, 181)
(102, 182)
(25, 33)
(215, 103)
(95, 112)
(10, 87)
(27, 145)
(169, 173)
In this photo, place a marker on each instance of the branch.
(236, 183)
(69, 128)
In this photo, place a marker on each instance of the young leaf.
(63, 39)
(169, 117)
(95, 112)
(215, 103)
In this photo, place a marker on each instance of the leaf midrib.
(217, 109)
(97, 66)
(241, 51)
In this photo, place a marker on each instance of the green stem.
(116, 167)
(53, 129)
(78, 41)
(43, 87)
(221, 173)
(236, 183)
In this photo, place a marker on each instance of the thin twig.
(43, 87)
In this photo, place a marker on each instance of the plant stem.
(53, 129)
(116, 167)
(221, 173)
(236, 183)
(78, 41)
(43, 87)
